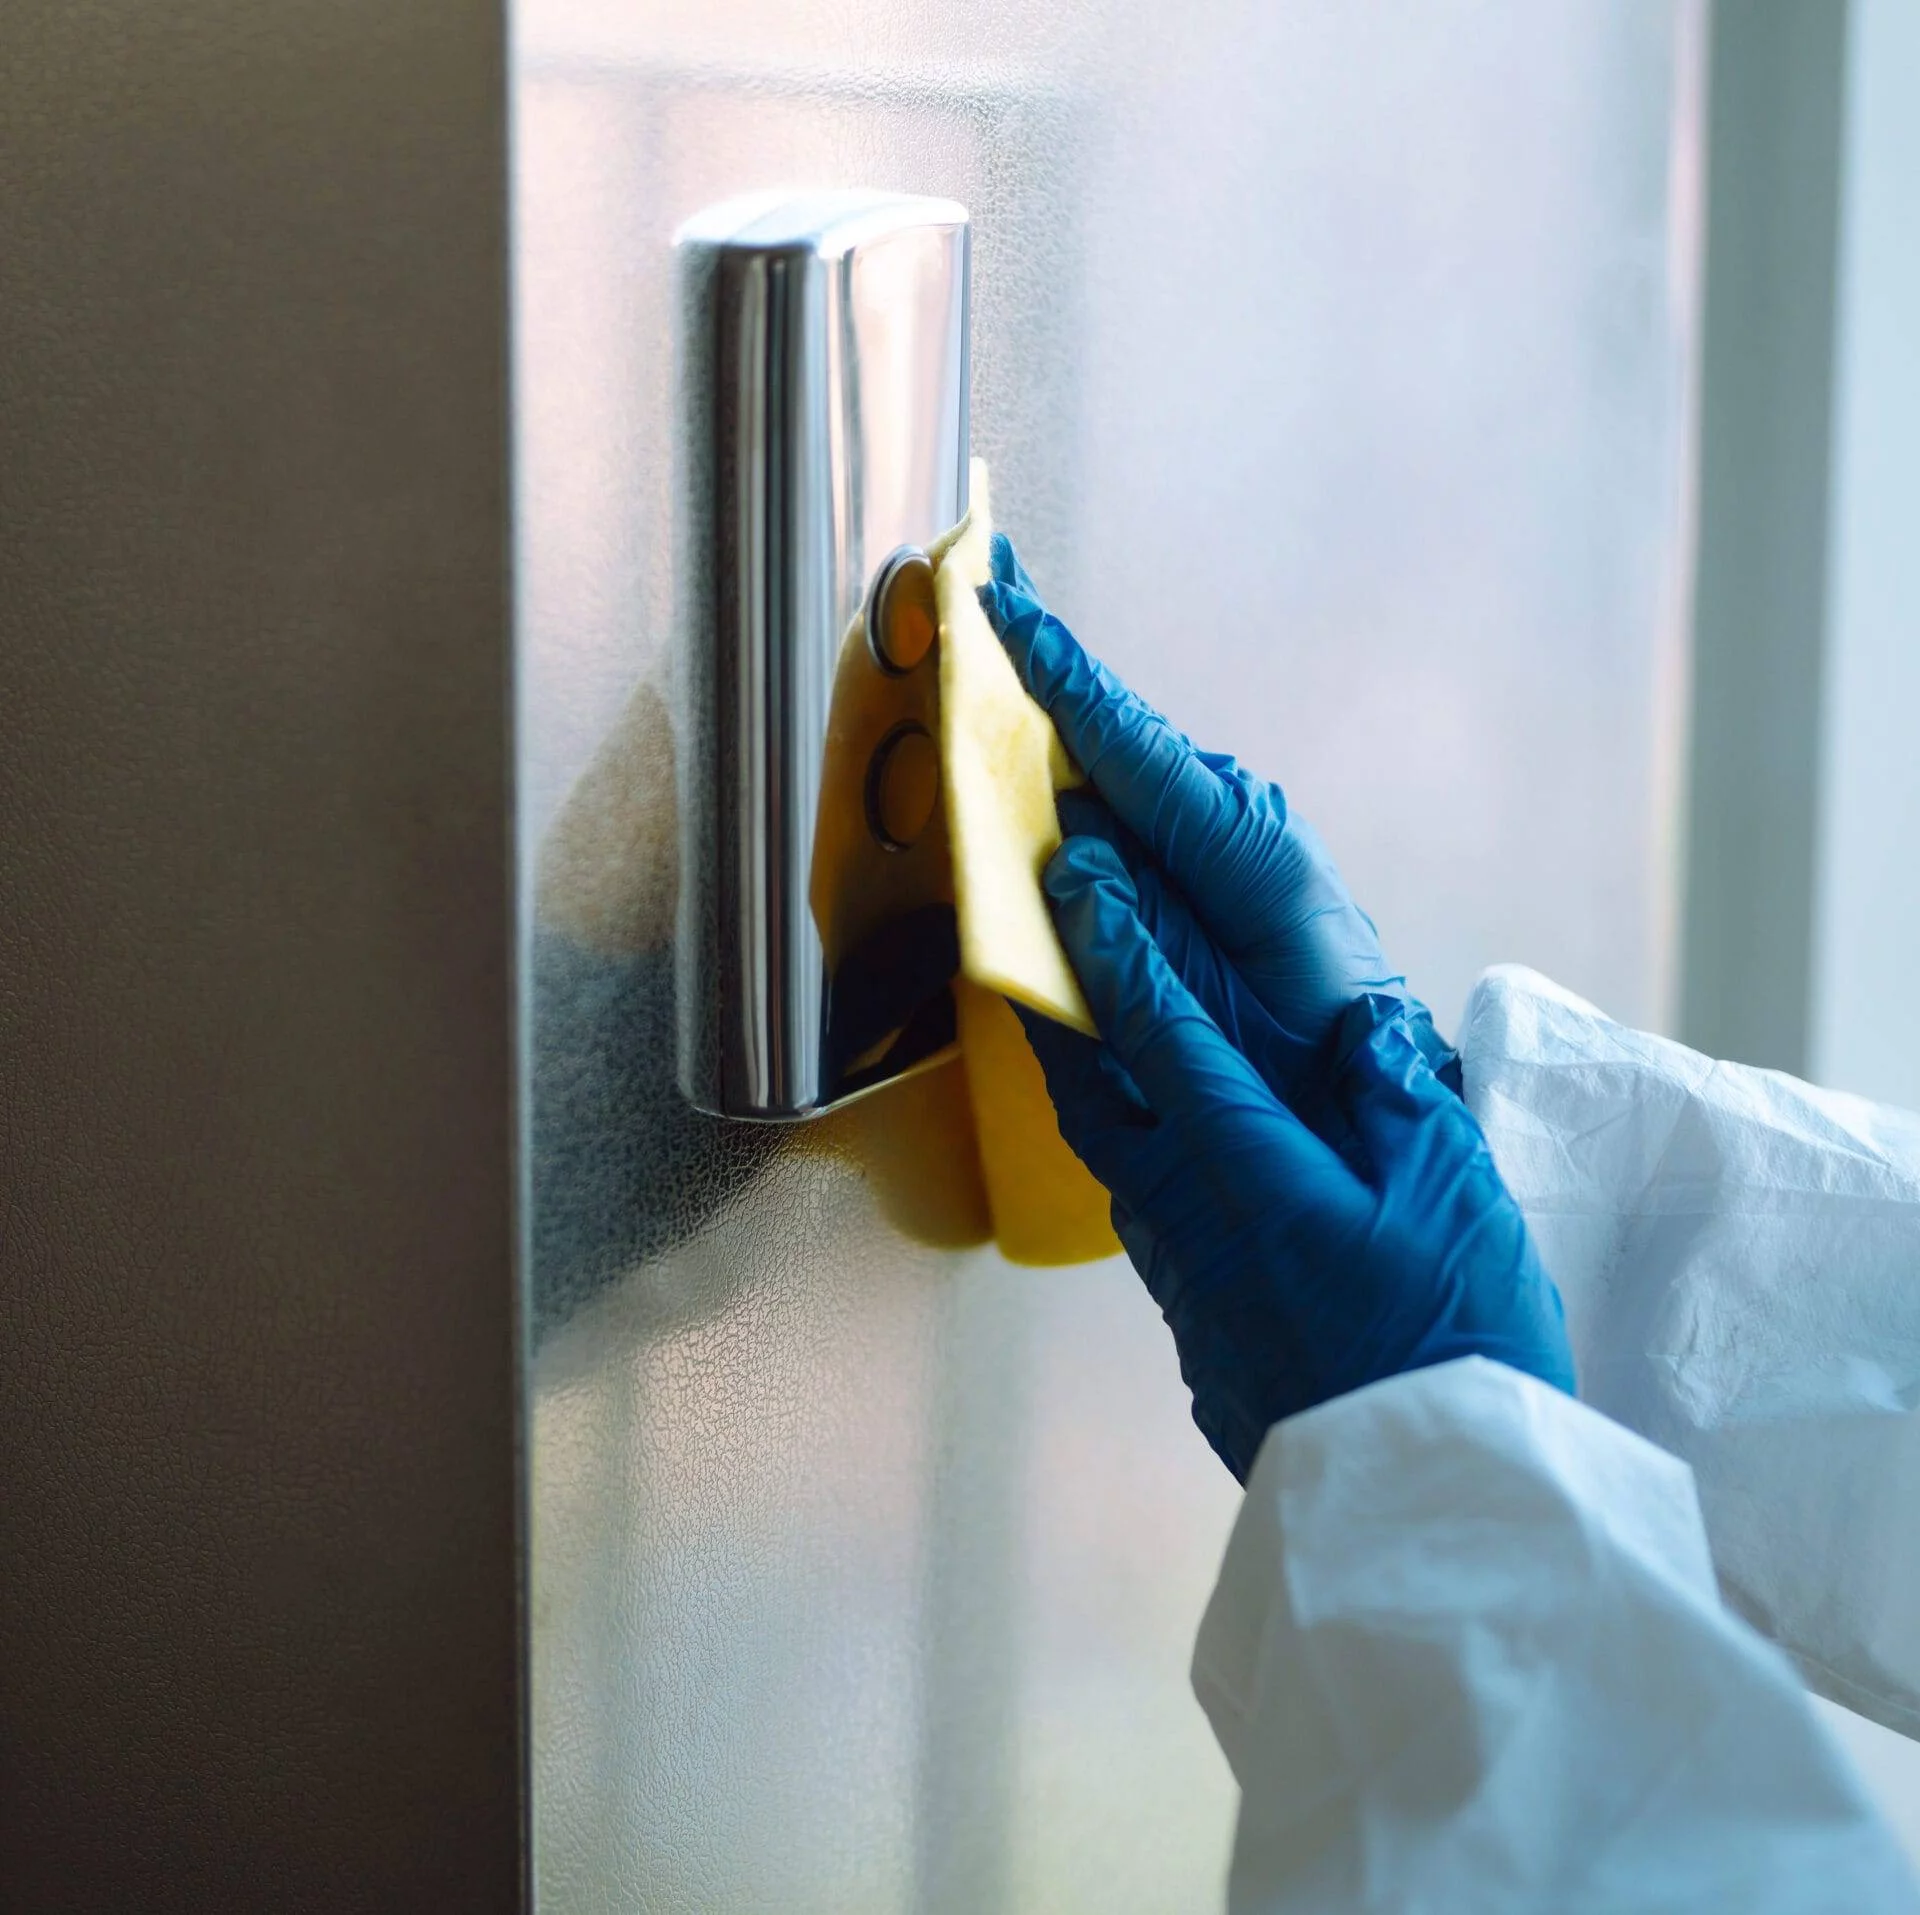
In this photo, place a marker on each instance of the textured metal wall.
(257, 1496)
(1334, 368)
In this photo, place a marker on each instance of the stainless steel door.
(1333, 368)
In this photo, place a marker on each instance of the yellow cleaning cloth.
(965, 1150)
(968, 1149)
(1001, 763)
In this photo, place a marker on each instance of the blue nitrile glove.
(1288, 1270)
(1259, 880)
(1308, 1201)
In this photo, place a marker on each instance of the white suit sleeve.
(1466, 1653)
(1740, 1258)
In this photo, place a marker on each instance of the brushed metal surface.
(1333, 376)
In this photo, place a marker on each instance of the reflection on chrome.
(825, 378)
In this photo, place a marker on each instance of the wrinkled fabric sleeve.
(1739, 1254)
(1466, 1652)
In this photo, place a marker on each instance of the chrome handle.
(825, 371)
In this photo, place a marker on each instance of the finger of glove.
(1227, 838)
(1004, 567)
(1206, 970)
(1294, 1069)
(1313, 950)
(1405, 1117)
(1084, 1069)
(1201, 964)
(1185, 1068)
(1102, 1116)
(1158, 784)
(1295, 946)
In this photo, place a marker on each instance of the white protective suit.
(1466, 1651)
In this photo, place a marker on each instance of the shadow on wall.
(624, 1169)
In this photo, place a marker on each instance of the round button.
(903, 786)
(901, 619)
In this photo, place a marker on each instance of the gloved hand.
(1310, 1205)
(1274, 908)
(1289, 1269)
